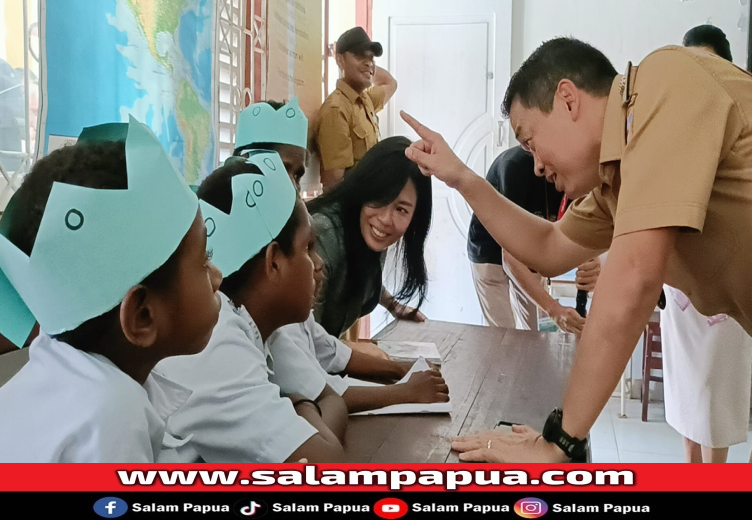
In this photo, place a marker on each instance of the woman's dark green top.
(343, 300)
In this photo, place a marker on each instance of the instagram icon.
(530, 507)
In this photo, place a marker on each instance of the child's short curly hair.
(92, 165)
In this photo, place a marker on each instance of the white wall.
(624, 29)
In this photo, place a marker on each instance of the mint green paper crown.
(261, 206)
(260, 123)
(94, 245)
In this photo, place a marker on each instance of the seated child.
(260, 233)
(268, 126)
(262, 126)
(297, 369)
(106, 250)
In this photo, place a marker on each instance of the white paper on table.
(411, 351)
(419, 366)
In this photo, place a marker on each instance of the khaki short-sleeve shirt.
(347, 125)
(676, 151)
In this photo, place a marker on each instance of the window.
(19, 91)
(240, 69)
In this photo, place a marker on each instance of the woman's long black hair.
(377, 180)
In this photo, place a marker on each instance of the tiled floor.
(629, 439)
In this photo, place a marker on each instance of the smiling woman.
(384, 200)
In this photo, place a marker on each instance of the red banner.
(376, 477)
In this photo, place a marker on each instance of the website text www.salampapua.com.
(393, 479)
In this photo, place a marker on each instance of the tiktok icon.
(251, 508)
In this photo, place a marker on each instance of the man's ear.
(272, 260)
(571, 96)
(137, 317)
(340, 58)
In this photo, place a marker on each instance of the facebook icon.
(110, 507)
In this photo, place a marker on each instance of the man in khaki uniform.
(671, 143)
(347, 123)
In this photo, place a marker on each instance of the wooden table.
(493, 374)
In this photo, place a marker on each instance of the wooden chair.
(652, 360)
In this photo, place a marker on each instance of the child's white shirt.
(235, 413)
(296, 366)
(333, 355)
(67, 405)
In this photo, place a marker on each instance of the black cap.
(357, 41)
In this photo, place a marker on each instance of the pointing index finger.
(423, 131)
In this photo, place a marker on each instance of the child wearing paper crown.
(288, 138)
(105, 247)
(302, 351)
(290, 143)
(260, 234)
(297, 369)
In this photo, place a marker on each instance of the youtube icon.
(390, 508)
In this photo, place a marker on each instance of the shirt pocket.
(363, 139)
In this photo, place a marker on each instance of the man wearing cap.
(661, 159)
(347, 125)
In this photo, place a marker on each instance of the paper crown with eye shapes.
(260, 123)
(93, 245)
(261, 206)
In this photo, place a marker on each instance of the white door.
(452, 62)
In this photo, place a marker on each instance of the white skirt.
(707, 375)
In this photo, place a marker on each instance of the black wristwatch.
(553, 432)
